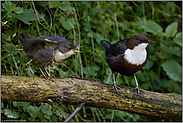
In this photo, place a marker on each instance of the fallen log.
(73, 91)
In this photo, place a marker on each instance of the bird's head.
(139, 40)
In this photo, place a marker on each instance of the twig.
(78, 108)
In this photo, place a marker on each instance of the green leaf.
(53, 4)
(47, 117)
(5, 37)
(11, 114)
(169, 7)
(66, 6)
(18, 10)
(7, 5)
(7, 111)
(33, 111)
(12, 7)
(46, 110)
(173, 70)
(9, 14)
(67, 24)
(19, 104)
(2, 10)
(174, 50)
(178, 39)
(171, 29)
(10, 32)
(27, 15)
(151, 26)
(10, 48)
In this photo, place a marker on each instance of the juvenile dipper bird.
(127, 56)
(47, 50)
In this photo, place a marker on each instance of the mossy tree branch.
(73, 91)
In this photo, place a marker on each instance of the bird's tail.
(23, 36)
(106, 44)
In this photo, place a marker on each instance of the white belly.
(138, 55)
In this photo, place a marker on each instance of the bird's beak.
(149, 41)
(77, 50)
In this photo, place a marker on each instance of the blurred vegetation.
(87, 23)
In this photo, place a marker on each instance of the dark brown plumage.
(127, 56)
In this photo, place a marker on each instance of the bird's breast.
(58, 57)
(135, 56)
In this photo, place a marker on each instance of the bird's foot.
(116, 88)
(49, 78)
(138, 89)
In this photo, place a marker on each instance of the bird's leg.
(49, 77)
(47, 73)
(115, 85)
(137, 87)
(41, 71)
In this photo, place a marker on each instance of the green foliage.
(152, 27)
(178, 38)
(173, 70)
(24, 15)
(85, 23)
(11, 114)
(28, 15)
(171, 29)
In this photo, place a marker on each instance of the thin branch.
(78, 108)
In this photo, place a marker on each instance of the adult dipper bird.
(127, 56)
(47, 50)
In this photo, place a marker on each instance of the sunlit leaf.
(12, 7)
(173, 70)
(66, 6)
(53, 4)
(18, 10)
(171, 29)
(28, 15)
(11, 114)
(47, 117)
(178, 39)
(151, 26)
(7, 5)
(68, 24)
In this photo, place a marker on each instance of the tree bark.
(73, 91)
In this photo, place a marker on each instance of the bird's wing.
(53, 38)
(118, 48)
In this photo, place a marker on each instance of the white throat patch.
(59, 57)
(138, 55)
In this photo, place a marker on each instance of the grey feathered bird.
(47, 50)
